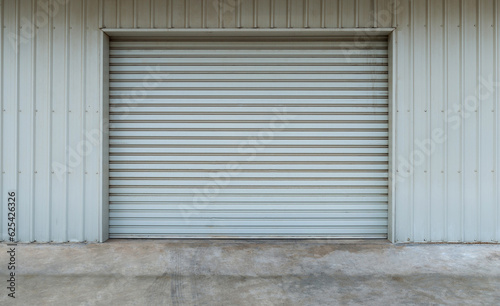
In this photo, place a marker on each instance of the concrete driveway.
(228, 272)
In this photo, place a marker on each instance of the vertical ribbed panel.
(456, 48)
(289, 136)
(436, 226)
(43, 114)
(10, 111)
(454, 127)
(50, 118)
(3, 227)
(26, 134)
(496, 110)
(486, 116)
(247, 13)
(92, 131)
(447, 159)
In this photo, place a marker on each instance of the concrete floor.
(189, 272)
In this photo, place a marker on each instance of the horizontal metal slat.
(254, 124)
(262, 134)
(254, 223)
(222, 61)
(152, 84)
(248, 147)
(117, 53)
(258, 110)
(250, 231)
(254, 206)
(172, 46)
(209, 192)
(197, 199)
(285, 68)
(250, 214)
(230, 104)
(153, 76)
(245, 159)
(247, 166)
(229, 180)
(251, 145)
(269, 118)
(244, 151)
(289, 175)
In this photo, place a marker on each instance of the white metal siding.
(443, 49)
(249, 138)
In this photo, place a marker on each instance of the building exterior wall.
(445, 107)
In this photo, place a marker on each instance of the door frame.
(107, 33)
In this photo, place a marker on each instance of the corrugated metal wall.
(446, 120)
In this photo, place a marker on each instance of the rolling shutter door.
(249, 138)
